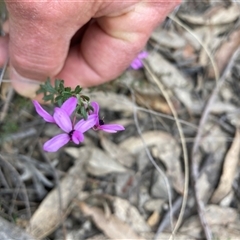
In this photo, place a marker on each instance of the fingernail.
(24, 86)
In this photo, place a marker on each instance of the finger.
(110, 44)
(40, 35)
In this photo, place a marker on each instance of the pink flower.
(99, 124)
(68, 106)
(72, 133)
(137, 62)
(61, 117)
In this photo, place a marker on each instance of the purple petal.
(136, 64)
(56, 142)
(85, 125)
(62, 120)
(142, 55)
(44, 114)
(77, 137)
(95, 106)
(111, 128)
(69, 105)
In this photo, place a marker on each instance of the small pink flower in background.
(99, 124)
(72, 133)
(68, 106)
(137, 62)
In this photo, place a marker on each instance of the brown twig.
(160, 171)
(195, 163)
(184, 148)
(3, 71)
(165, 222)
(20, 135)
(5, 107)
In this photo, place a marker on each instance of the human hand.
(84, 42)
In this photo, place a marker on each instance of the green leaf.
(90, 108)
(50, 88)
(48, 98)
(84, 113)
(86, 98)
(66, 95)
(58, 97)
(78, 89)
(60, 102)
(57, 83)
(67, 89)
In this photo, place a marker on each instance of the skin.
(84, 42)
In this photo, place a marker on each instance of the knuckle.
(34, 66)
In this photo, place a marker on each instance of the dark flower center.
(70, 134)
(101, 122)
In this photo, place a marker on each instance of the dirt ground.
(174, 173)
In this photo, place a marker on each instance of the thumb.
(22, 85)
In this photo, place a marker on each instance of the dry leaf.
(229, 170)
(112, 226)
(73, 152)
(165, 148)
(100, 164)
(214, 16)
(47, 217)
(217, 217)
(171, 77)
(151, 138)
(153, 219)
(154, 102)
(227, 200)
(216, 150)
(220, 107)
(116, 152)
(201, 32)
(112, 101)
(169, 154)
(169, 236)
(168, 39)
(154, 204)
(225, 51)
(96, 237)
(129, 214)
(159, 187)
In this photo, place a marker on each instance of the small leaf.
(60, 102)
(67, 89)
(58, 98)
(89, 108)
(57, 83)
(86, 98)
(84, 113)
(78, 89)
(48, 98)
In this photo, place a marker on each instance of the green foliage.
(9, 127)
(59, 94)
